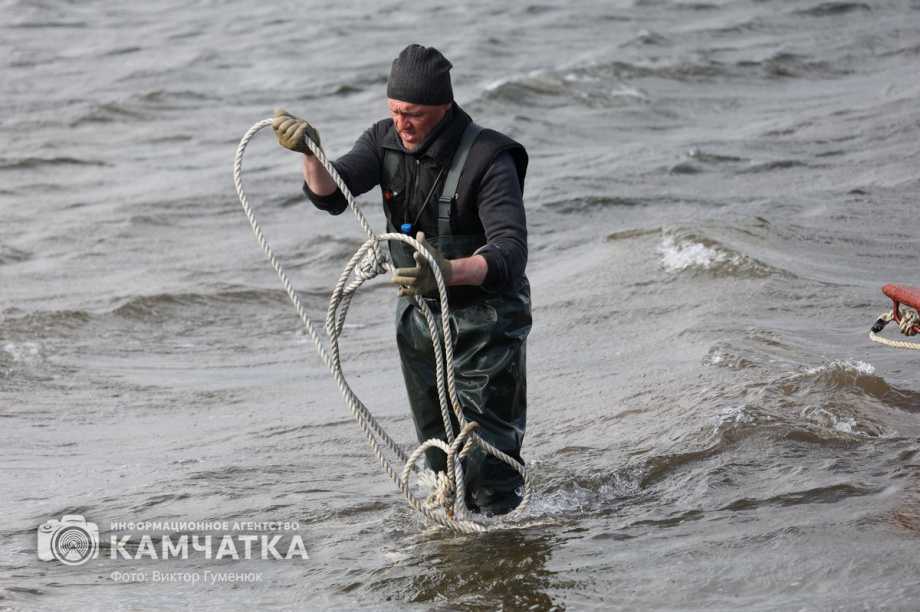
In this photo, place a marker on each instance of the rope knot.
(443, 494)
(909, 319)
(375, 262)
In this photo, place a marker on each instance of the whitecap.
(25, 352)
(678, 255)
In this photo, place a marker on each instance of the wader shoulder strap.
(390, 162)
(453, 178)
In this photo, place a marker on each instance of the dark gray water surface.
(717, 193)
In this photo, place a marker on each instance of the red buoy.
(903, 294)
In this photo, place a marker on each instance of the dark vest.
(413, 179)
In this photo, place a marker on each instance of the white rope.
(446, 505)
(909, 319)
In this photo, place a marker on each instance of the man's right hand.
(290, 131)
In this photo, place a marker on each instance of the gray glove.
(421, 279)
(290, 131)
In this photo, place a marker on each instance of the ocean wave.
(321, 250)
(597, 85)
(165, 307)
(9, 255)
(630, 234)
(702, 161)
(818, 495)
(688, 252)
(840, 400)
(40, 323)
(29, 163)
(110, 112)
(166, 312)
(707, 157)
(141, 107)
(790, 65)
(812, 422)
(570, 494)
(579, 205)
(856, 378)
(779, 164)
(831, 9)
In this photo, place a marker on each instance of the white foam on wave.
(683, 254)
(625, 91)
(582, 498)
(24, 352)
(860, 367)
(733, 415)
(499, 83)
(826, 418)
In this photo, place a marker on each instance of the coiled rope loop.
(446, 504)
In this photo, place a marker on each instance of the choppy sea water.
(717, 192)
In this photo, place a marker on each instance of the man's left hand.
(421, 279)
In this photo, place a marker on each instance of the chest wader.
(489, 336)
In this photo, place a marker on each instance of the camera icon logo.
(71, 540)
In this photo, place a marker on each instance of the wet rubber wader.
(489, 333)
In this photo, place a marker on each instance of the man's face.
(415, 121)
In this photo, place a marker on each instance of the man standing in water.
(477, 235)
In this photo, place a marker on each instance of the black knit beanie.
(420, 75)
